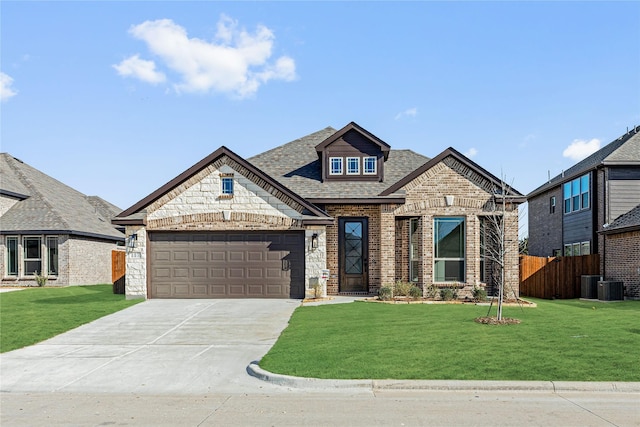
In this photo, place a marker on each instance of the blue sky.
(116, 98)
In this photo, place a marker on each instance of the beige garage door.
(226, 265)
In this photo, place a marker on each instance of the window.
(585, 248)
(12, 256)
(353, 166)
(567, 250)
(52, 256)
(335, 166)
(32, 255)
(414, 249)
(552, 204)
(576, 194)
(577, 249)
(227, 185)
(449, 249)
(370, 165)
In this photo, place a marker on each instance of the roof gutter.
(69, 232)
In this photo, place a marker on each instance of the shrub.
(402, 288)
(317, 290)
(41, 280)
(432, 291)
(448, 294)
(415, 292)
(479, 294)
(385, 293)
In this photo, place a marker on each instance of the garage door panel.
(226, 264)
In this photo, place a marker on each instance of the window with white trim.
(12, 256)
(335, 165)
(32, 247)
(226, 185)
(369, 166)
(449, 249)
(353, 165)
(52, 256)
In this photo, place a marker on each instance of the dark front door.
(354, 254)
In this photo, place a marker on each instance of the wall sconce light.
(314, 241)
(131, 241)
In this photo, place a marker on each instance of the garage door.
(227, 265)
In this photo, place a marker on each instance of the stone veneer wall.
(136, 260)
(315, 259)
(622, 261)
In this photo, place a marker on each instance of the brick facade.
(547, 223)
(622, 261)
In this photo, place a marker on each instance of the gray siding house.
(50, 229)
(569, 213)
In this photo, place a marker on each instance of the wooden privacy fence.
(118, 270)
(556, 277)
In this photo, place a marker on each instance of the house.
(335, 204)
(621, 252)
(567, 213)
(52, 230)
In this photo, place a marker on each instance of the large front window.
(576, 194)
(32, 255)
(449, 249)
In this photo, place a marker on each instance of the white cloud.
(579, 149)
(471, 153)
(6, 91)
(141, 69)
(235, 62)
(410, 112)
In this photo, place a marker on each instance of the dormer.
(353, 154)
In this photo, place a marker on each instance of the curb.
(442, 385)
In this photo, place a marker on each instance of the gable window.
(335, 165)
(12, 256)
(32, 255)
(449, 249)
(353, 166)
(52, 256)
(552, 204)
(369, 165)
(576, 194)
(226, 182)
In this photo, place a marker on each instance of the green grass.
(561, 340)
(36, 314)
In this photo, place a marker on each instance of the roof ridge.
(297, 140)
(38, 195)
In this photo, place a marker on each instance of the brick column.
(387, 245)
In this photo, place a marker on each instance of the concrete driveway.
(155, 347)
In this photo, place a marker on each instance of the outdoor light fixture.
(131, 241)
(314, 241)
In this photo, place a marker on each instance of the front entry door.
(354, 254)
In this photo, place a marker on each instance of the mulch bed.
(488, 320)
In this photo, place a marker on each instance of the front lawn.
(561, 340)
(32, 315)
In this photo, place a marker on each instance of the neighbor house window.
(32, 255)
(52, 256)
(552, 204)
(353, 166)
(577, 249)
(12, 256)
(414, 249)
(370, 165)
(576, 194)
(585, 248)
(449, 249)
(227, 185)
(335, 165)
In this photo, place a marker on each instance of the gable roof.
(353, 126)
(626, 222)
(45, 205)
(296, 165)
(136, 213)
(624, 150)
(450, 152)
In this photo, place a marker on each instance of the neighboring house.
(341, 201)
(50, 229)
(622, 251)
(566, 213)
